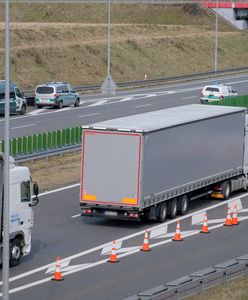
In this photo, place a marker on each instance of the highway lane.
(96, 108)
(57, 233)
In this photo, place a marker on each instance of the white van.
(57, 94)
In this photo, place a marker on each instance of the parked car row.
(60, 94)
(56, 94)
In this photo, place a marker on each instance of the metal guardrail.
(197, 282)
(160, 80)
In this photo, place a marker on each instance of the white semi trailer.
(21, 212)
(151, 165)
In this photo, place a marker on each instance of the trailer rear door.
(111, 167)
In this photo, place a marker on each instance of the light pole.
(5, 290)
(109, 36)
(216, 38)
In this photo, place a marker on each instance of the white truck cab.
(21, 211)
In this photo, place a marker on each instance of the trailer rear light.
(87, 211)
(218, 188)
(133, 215)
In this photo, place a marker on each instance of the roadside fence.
(45, 142)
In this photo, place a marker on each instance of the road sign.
(108, 87)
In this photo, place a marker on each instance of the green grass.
(69, 42)
(234, 290)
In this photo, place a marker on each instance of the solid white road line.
(75, 216)
(144, 105)
(126, 99)
(23, 126)
(98, 103)
(185, 98)
(89, 115)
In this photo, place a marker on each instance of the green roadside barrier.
(44, 141)
(239, 101)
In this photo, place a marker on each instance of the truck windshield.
(44, 90)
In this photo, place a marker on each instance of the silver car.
(57, 94)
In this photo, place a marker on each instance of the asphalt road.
(58, 231)
(94, 108)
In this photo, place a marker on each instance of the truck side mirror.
(36, 189)
(35, 200)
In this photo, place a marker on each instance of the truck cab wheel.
(15, 252)
(162, 212)
(183, 204)
(173, 208)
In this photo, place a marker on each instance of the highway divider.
(44, 143)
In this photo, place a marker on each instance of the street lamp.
(216, 38)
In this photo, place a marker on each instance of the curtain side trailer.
(151, 165)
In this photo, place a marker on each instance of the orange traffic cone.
(113, 257)
(205, 225)
(228, 218)
(57, 275)
(177, 236)
(146, 246)
(235, 220)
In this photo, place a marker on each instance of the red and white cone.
(177, 236)
(57, 275)
(146, 246)
(113, 257)
(235, 220)
(228, 218)
(205, 225)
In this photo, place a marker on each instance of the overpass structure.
(234, 12)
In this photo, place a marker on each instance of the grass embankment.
(55, 171)
(235, 290)
(69, 42)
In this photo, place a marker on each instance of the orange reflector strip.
(89, 197)
(217, 196)
(129, 200)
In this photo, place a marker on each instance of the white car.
(211, 93)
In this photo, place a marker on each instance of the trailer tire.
(226, 190)
(162, 212)
(173, 208)
(183, 204)
(15, 252)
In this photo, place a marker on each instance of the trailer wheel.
(162, 212)
(15, 252)
(173, 208)
(226, 190)
(183, 204)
